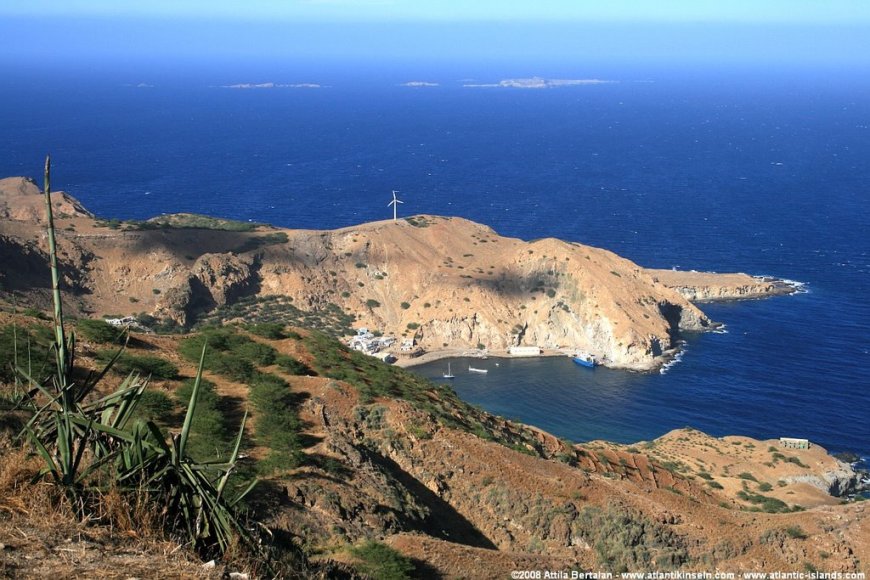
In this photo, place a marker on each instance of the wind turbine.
(395, 203)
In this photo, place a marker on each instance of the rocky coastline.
(441, 283)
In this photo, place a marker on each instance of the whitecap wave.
(677, 358)
(797, 286)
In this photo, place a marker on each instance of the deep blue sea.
(766, 172)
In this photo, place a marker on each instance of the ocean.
(764, 172)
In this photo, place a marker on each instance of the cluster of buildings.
(122, 322)
(368, 343)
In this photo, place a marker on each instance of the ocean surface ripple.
(765, 176)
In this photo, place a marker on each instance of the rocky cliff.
(446, 282)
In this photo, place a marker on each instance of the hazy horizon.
(547, 33)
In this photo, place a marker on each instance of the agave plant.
(91, 444)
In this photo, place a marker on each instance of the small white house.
(127, 320)
(524, 351)
(792, 443)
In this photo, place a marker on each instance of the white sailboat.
(448, 374)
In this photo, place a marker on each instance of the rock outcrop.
(710, 286)
(22, 200)
(446, 282)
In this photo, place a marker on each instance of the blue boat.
(584, 360)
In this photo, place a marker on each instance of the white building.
(792, 443)
(524, 351)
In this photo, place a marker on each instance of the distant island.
(539, 83)
(273, 86)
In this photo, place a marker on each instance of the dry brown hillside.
(446, 282)
(390, 457)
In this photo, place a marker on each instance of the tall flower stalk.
(92, 443)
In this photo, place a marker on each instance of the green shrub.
(405, 305)
(624, 540)
(372, 303)
(270, 330)
(767, 504)
(196, 221)
(230, 366)
(256, 242)
(255, 353)
(210, 431)
(14, 339)
(229, 353)
(154, 406)
(144, 364)
(98, 331)
(371, 415)
(278, 423)
(291, 366)
(381, 562)
(747, 476)
(34, 313)
(419, 432)
(764, 486)
(796, 532)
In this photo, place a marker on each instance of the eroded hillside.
(445, 282)
(369, 451)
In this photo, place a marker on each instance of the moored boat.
(476, 370)
(584, 359)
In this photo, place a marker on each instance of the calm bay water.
(723, 171)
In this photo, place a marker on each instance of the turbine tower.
(395, 203)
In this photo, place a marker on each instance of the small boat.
(448, 374)
(584, 359)
(475, 370)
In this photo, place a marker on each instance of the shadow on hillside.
(232, 409)
(512, 283)
(191, 243)
(26, 269)
(424, 570)
(443, 522)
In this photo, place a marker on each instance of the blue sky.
(740, 11)
(790, 32)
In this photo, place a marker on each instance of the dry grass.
(42, 536)
(18, 492)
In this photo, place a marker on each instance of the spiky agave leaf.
(81, 442)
